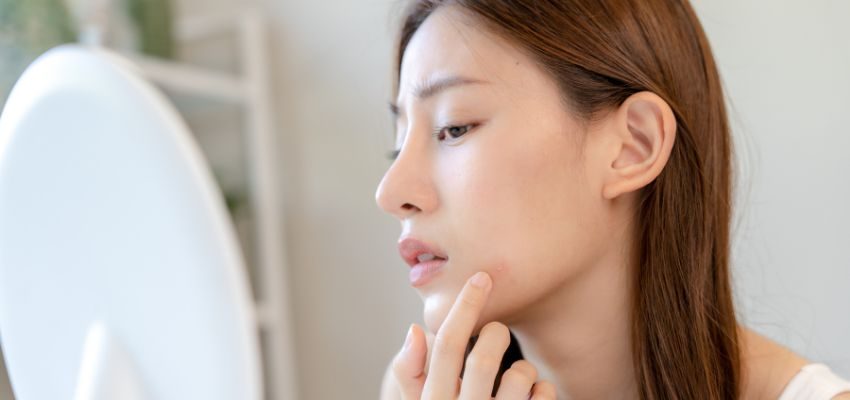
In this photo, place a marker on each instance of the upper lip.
(411, 248)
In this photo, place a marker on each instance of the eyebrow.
(433, 87)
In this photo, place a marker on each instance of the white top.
(814, 382)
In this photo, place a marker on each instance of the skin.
(423, 376)
(539, 202)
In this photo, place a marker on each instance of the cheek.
(515, 213)
(508, 296)
(438, 304)
(512, 206)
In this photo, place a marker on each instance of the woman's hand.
(426, 371)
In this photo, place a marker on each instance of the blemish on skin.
(499, 271)
(502, 274)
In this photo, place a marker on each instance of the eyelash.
(438, 131)
(394, 153)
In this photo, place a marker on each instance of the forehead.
(451, 42)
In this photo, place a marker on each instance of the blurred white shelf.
(192, 80)
(250, 90)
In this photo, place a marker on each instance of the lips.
(432, 260)
(410, 249)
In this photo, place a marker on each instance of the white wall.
(353, 302)
(331, 76)
(786, 66)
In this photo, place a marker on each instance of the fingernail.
(480, 279)
(407, 339)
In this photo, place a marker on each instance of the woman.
(573, 157)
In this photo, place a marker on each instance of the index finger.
(453, 337)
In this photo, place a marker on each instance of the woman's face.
(511, 196)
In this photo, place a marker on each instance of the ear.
(643, 129)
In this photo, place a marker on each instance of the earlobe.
(645, 128)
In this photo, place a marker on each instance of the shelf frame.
(249, 89)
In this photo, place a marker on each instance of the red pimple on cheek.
(500, 270)
(502, 275)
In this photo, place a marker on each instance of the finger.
(517, 381)
(484, 360)
(543, 390)
(429, 340)
(453, 337)
(409, 364)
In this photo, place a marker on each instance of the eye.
(453, 131)
(450, 131)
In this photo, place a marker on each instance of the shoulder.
(766, 366)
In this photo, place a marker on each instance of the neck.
(579, 335)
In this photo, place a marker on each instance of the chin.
(436, 309)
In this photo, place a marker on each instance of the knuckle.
(470, 300)
(471, 296)
(483, 362)
(525, 369)
(447, 345)
(516, 376)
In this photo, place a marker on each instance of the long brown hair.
(600, 52)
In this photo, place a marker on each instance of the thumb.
(409, 364)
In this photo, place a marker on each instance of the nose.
(407, 188)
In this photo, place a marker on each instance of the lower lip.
(424, 272)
